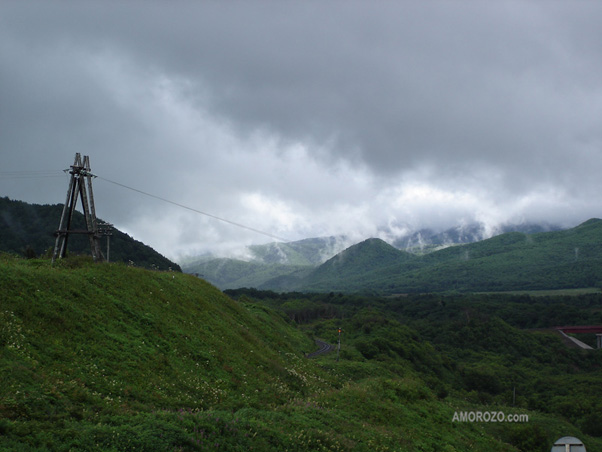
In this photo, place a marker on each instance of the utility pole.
(80, 178)
(339, 345)
(106, 229)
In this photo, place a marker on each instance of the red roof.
(597, 329)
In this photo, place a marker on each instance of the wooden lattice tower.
(80, 186)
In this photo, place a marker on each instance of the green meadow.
(117, 358)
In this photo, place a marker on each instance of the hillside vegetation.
(228, 273)
(258, 264)
(28, 229)
(481, 352)
(114, 358)
(513, 261)
(265, 262)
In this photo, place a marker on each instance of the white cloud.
(378, 121)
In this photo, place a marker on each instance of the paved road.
(325, 347)
(576, 341)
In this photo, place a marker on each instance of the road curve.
(325, 347)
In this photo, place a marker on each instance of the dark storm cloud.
(398, 83)
(301, 110)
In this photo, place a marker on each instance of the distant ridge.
(269, 264)
(427, 240)
(233, 273)
(512, 261)
(29, 228)
(360, 262)
(260, 263)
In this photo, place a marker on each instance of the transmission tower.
(80, 177)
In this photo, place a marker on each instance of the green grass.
(116, 358)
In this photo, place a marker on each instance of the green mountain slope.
(357, 266)
(549, 260)
(116, 358)
(512, 261)
(30, 228)
(232, 273)
(312, 251)
(270, 262)
(109, 348)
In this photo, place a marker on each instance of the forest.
(491, 349)
(28, 230)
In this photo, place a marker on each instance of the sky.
(304, 119)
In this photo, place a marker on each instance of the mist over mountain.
(317, 250)
(281, 266)
(427, 240)
(311, 251)
(565, 259)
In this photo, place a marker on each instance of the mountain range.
(288, 266)
(569, 258)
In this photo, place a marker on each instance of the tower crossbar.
(80, 187)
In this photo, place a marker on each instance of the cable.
(195, 210)
(59, 173)
(29, 174)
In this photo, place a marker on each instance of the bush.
(592, 424)
(528, 438)
(482, 380)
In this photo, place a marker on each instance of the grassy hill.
(29, 229)
(513, 261)
(115, 358)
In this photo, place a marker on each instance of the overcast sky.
(305, 118)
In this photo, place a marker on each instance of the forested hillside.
(496, 352)
(28, 229)
(513, 261)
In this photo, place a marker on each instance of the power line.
(195, 210)
(30, 174)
